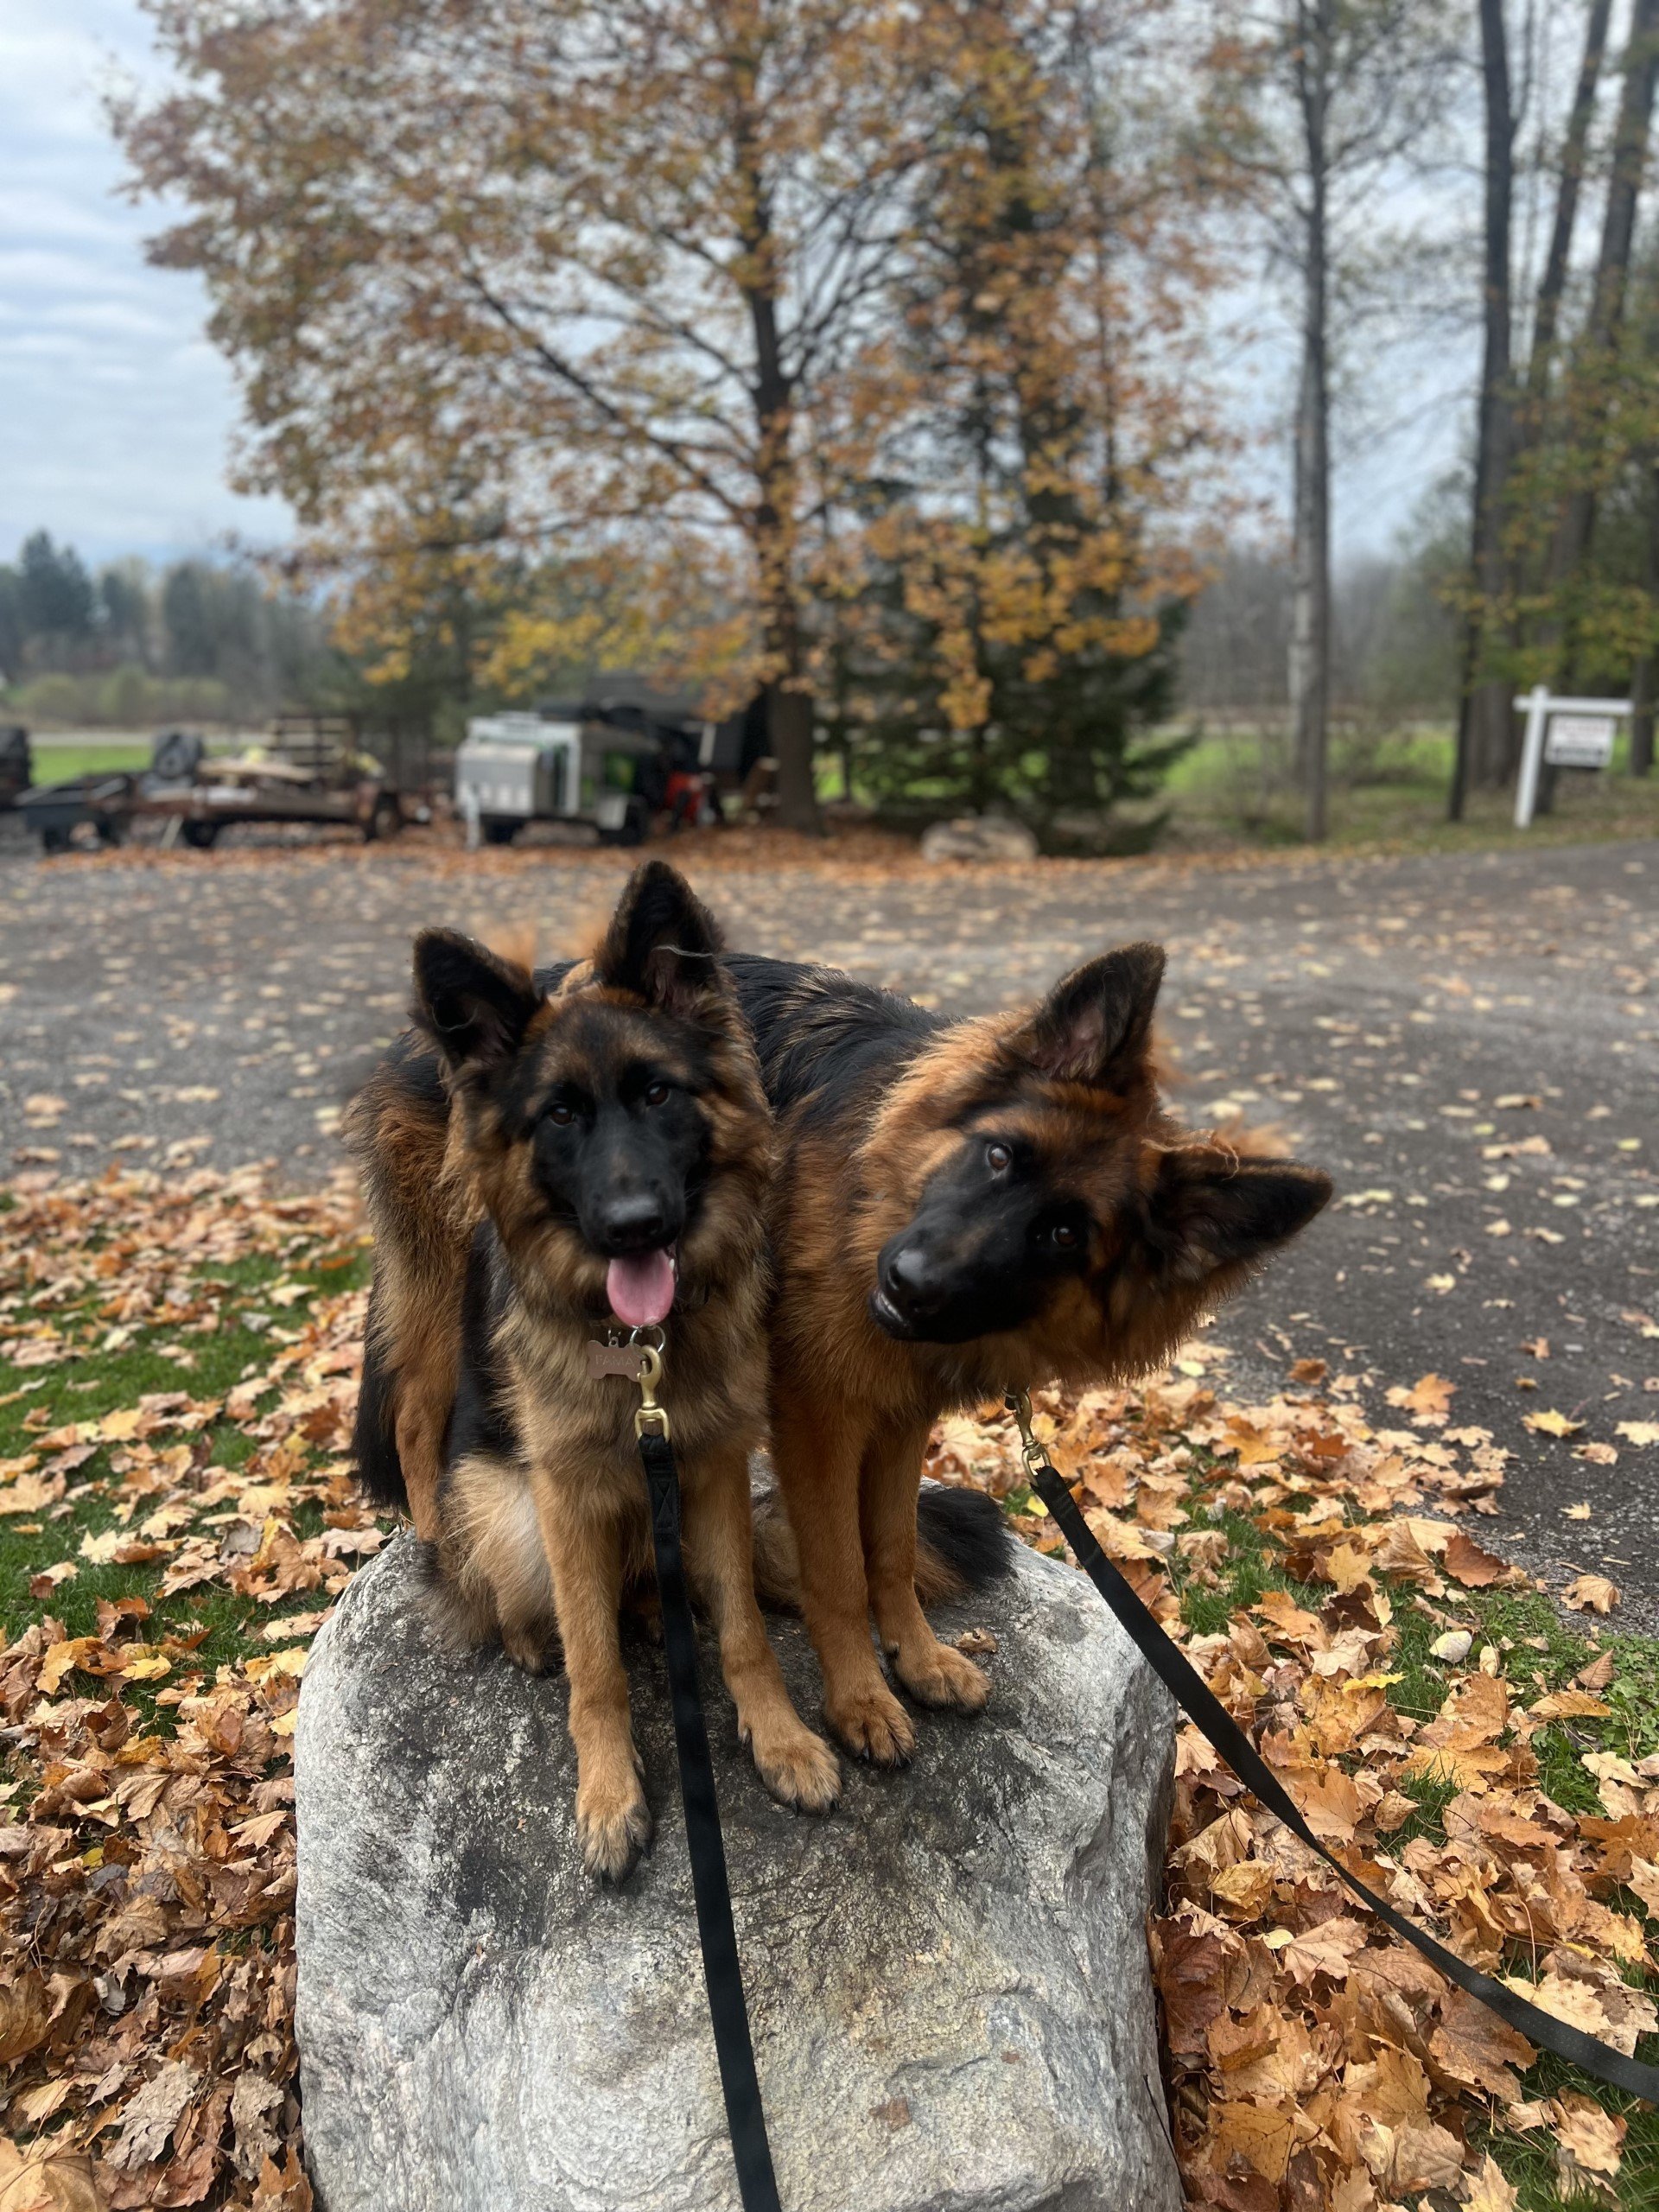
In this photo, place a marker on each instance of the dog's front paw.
(613, 1826)
(872, 1724)
(525, 1649)
(799, 1768)
(940, 1675)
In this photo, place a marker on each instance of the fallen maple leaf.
(1570, 1705)
(1638, 1432)
(1591, 1593)
(1551, 1423)
(1468, 1564)
(1592, 2136)
(45, 2178)
(1491, 2193)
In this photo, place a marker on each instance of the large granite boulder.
(948, 1977)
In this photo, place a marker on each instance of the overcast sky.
(115, 411)
(116, 414)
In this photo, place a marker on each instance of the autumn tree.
(625, 257)
(1005, 597)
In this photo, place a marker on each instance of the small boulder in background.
(979, 837)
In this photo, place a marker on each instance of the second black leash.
(1201, 1705)
(744, 2118)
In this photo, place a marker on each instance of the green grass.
(1388, 788)
(56, 764)
(92, 1385)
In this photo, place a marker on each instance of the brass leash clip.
(651, 1416)
(637, 1359)
(1019, 1404)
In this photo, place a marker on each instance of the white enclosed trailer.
(515, 768)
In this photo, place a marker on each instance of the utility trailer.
(309, 771)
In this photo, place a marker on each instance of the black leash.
(1201, 1705)
(744, 2118)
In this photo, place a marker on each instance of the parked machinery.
(559, 763)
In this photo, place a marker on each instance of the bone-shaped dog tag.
(615, 1359)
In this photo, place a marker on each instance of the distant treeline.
(1395, 641)
(131, 645)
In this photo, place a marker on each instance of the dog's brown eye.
(657, 1094)
(1064, 1236)
(562, 1115)
(998, 1157)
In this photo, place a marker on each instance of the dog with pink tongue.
(550, 1161)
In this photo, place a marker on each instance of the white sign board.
(1579, 740)
(1562, 734)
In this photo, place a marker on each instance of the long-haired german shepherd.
(965, 1209)
(546, 1156)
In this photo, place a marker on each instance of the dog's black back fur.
(823, 1037)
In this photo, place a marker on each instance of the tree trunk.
(1310, 647)
(1547, 319)
(1641, 679)
(1484, 720)
(1612, 270)
(789, 700)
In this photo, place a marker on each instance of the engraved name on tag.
(615, 1359)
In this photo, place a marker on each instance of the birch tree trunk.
(1309, 646)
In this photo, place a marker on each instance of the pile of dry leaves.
(191, 1539)
(1315, 2061)
(146, 1826)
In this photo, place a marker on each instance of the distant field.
(54, 763)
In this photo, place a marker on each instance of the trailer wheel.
(385, 818)
(498, 828)
(111, 831)
(53, 841)
(201, 836)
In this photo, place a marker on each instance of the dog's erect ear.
(663, 943)
(1213, 1209)
(473, 1005)
(1094, 1026)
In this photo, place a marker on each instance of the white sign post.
(1565, 734)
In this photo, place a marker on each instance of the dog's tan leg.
(796, 1765)
(584, 1552)
(818, 1448)
(421, 1420)
(890, 1482)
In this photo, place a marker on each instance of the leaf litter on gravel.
(1494, 1774)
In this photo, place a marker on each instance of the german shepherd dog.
(544, 1158)
(965, 1209)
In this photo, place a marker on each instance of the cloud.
(116, 418)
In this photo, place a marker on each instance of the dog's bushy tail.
(962, 1544)
(374, 1442)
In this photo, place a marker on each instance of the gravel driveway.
(1469, 1043)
